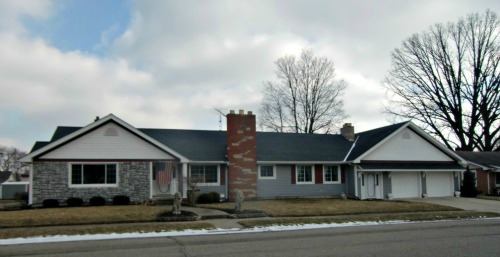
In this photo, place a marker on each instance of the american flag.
(165, 173)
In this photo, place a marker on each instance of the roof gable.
(64, 135)
(107, 142)
(406, 145)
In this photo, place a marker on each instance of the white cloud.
(179, 60)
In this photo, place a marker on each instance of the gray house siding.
(350, 178)
(423, 182)
(50, 181)
(282, 186)
(387, 185)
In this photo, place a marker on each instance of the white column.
(184, 180)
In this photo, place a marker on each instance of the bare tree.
(9, 160)
(447, 80)
(307, 98)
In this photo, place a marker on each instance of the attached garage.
(405, 184)
(439, 184)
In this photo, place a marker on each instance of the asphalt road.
(456, 238)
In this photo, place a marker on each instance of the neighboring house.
(11, 184)
(486, 165)
(111, 157)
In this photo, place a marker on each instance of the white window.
(267, 172)
(305, 174)
(331, 174)
(205, 175)
(93, 174)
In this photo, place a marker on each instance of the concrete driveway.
(470, 204)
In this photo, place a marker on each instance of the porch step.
(163, 199)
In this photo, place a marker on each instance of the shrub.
(204, 198)
(212, 197)
(121, 200)
(215, 197)
(468, 188)
(50, 203)
(21, 196)
(97, 201)
(74, 202)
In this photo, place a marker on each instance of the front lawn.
(79, 215)
(329, 207)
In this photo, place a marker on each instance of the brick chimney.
(347, 131)
(241, 154)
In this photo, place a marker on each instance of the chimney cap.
(242, 111)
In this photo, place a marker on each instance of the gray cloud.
(178, 60)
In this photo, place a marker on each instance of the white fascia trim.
(29, 158)
(301, 162)
(475, 166)
(409, 170)
(352, 147)
(205, 162)
(438, 144)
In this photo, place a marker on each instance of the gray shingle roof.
(301, 147)
(488, 159)
(205, 145)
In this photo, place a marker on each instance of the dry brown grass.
(414, 216)
(327, 207)
(79, 215)
(102, 229)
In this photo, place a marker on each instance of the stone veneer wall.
(50, 181)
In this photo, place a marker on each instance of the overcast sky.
(168, 64)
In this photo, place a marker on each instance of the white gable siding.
(107, 142)
(407, 146)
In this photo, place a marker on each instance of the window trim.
(297, 167)
(206, 184)
(268, 177)
(71, 185)
(339, 174)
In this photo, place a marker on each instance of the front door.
(371, 186)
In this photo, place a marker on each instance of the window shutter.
(342, 174)
(222, 175)
(293, 174)
(318, 174)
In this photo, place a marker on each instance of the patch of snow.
(67, 238)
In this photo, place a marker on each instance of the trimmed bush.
(468, 188)
(50, 203)
(21, 196)
(121, 200)
(212, 197)
(97, 201)
(74, 202)
(215, 197)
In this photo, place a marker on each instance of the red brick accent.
(241, 154)
(293, 174)
(318, 174)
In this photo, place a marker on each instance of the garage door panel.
(439, 184)
(405, 184)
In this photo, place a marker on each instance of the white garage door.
(439, 184)
(405, 184)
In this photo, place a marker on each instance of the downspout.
(227, 182)
(488, 181)
(32, 172)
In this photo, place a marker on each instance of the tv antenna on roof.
(220, 118)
